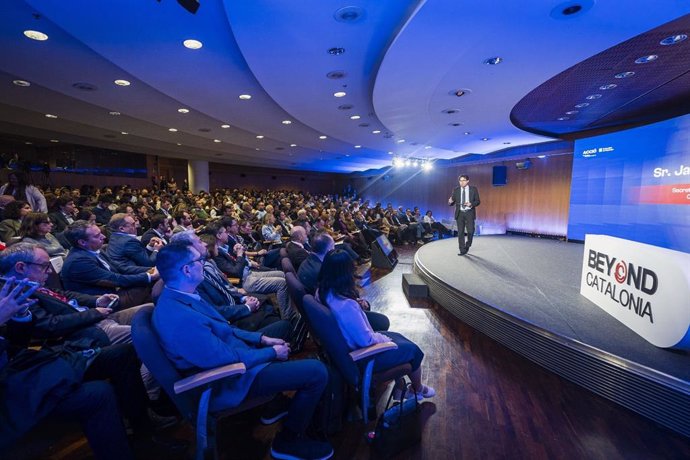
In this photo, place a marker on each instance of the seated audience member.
(36, 228)
(195, 336)
(87, 215)
(125, 251)
(430, 225)
(4, 201)
(308, 274)
(102, 209)
(270, 232)
(160, 228)
(270, 259)
(297, 248)
(15, 212)
(184, 221)
(71, 385)
(89, 271)
(65, 213)
(249, 238)
(336, 289)
(239, 307)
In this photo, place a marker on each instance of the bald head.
(298, 234)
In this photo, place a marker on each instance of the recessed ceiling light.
(541, 156)
(672, 40)
(563, 118)
(323, 137)
(114, 113)
(581, 105)
(36, 35)
(646, 59)
(286, 122)
(391, 153)
(122, 83)
(21, 83)
(591, 97)
(376, 131)
(624, 74)
(257, 148)
(336, 51)
(183, 110)
(609, 86)
(50, 115)
(28, 143)
(467, 133)
(245, 97)
(427, 147)
(172, 130)
(571, 112)
(179, 143)
(124, 133)
(400, 141)
(493, 60)
(349, 14)
(259, 136)
(225, 126)
(347, 154)
(459, 93)
(340, 94)
(217, 141)
(355, 117)
(358, 146)
(54, 141)
(485, 138)
(192, 44)
(293, 145)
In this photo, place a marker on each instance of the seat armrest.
(211, 375)
(372, 350)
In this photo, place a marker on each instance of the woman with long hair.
(18, 186)
(15, 211)
(36, 228)
(336, 289)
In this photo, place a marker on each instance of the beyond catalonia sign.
(645, 287)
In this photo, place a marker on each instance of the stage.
(524, 293)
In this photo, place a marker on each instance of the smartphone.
(113, 302)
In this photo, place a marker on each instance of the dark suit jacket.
(230, 265)
(60, 222)
(102, 215)
(296, 254)
(473, 199)
(148, 234)
(82, 272)
(195, 336)
(56, 319)
(308, 273)
(125, 250)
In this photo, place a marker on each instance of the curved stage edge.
(524, 293)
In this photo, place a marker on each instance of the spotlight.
(189, 5)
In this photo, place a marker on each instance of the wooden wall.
(535, 200)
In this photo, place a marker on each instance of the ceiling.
(400, 63)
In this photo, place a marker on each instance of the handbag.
(399, 427)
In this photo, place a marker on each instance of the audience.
(36, 228)
(14, 214)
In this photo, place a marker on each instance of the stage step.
(414, 286)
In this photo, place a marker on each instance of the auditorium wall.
(534, 200)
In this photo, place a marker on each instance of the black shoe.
(275, 410)
(291, 447)
(462, 252)
(161, 422)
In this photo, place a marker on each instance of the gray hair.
(19, 252)
(186, 236)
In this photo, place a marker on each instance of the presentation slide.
(634, 184)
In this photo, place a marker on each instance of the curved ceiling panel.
(444, 47)
(642, 80)
(292, 62)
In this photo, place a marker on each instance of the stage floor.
(538, 281)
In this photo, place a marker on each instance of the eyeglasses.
(201, 259)
(44, 267)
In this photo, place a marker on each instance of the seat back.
(283, 253)
(287, 266)
(331, 339)
(296, 291)
(147, 345)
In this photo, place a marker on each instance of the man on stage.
(465, 198)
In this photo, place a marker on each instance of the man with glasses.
(465, 197)
(125, 251)
(195, 336)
